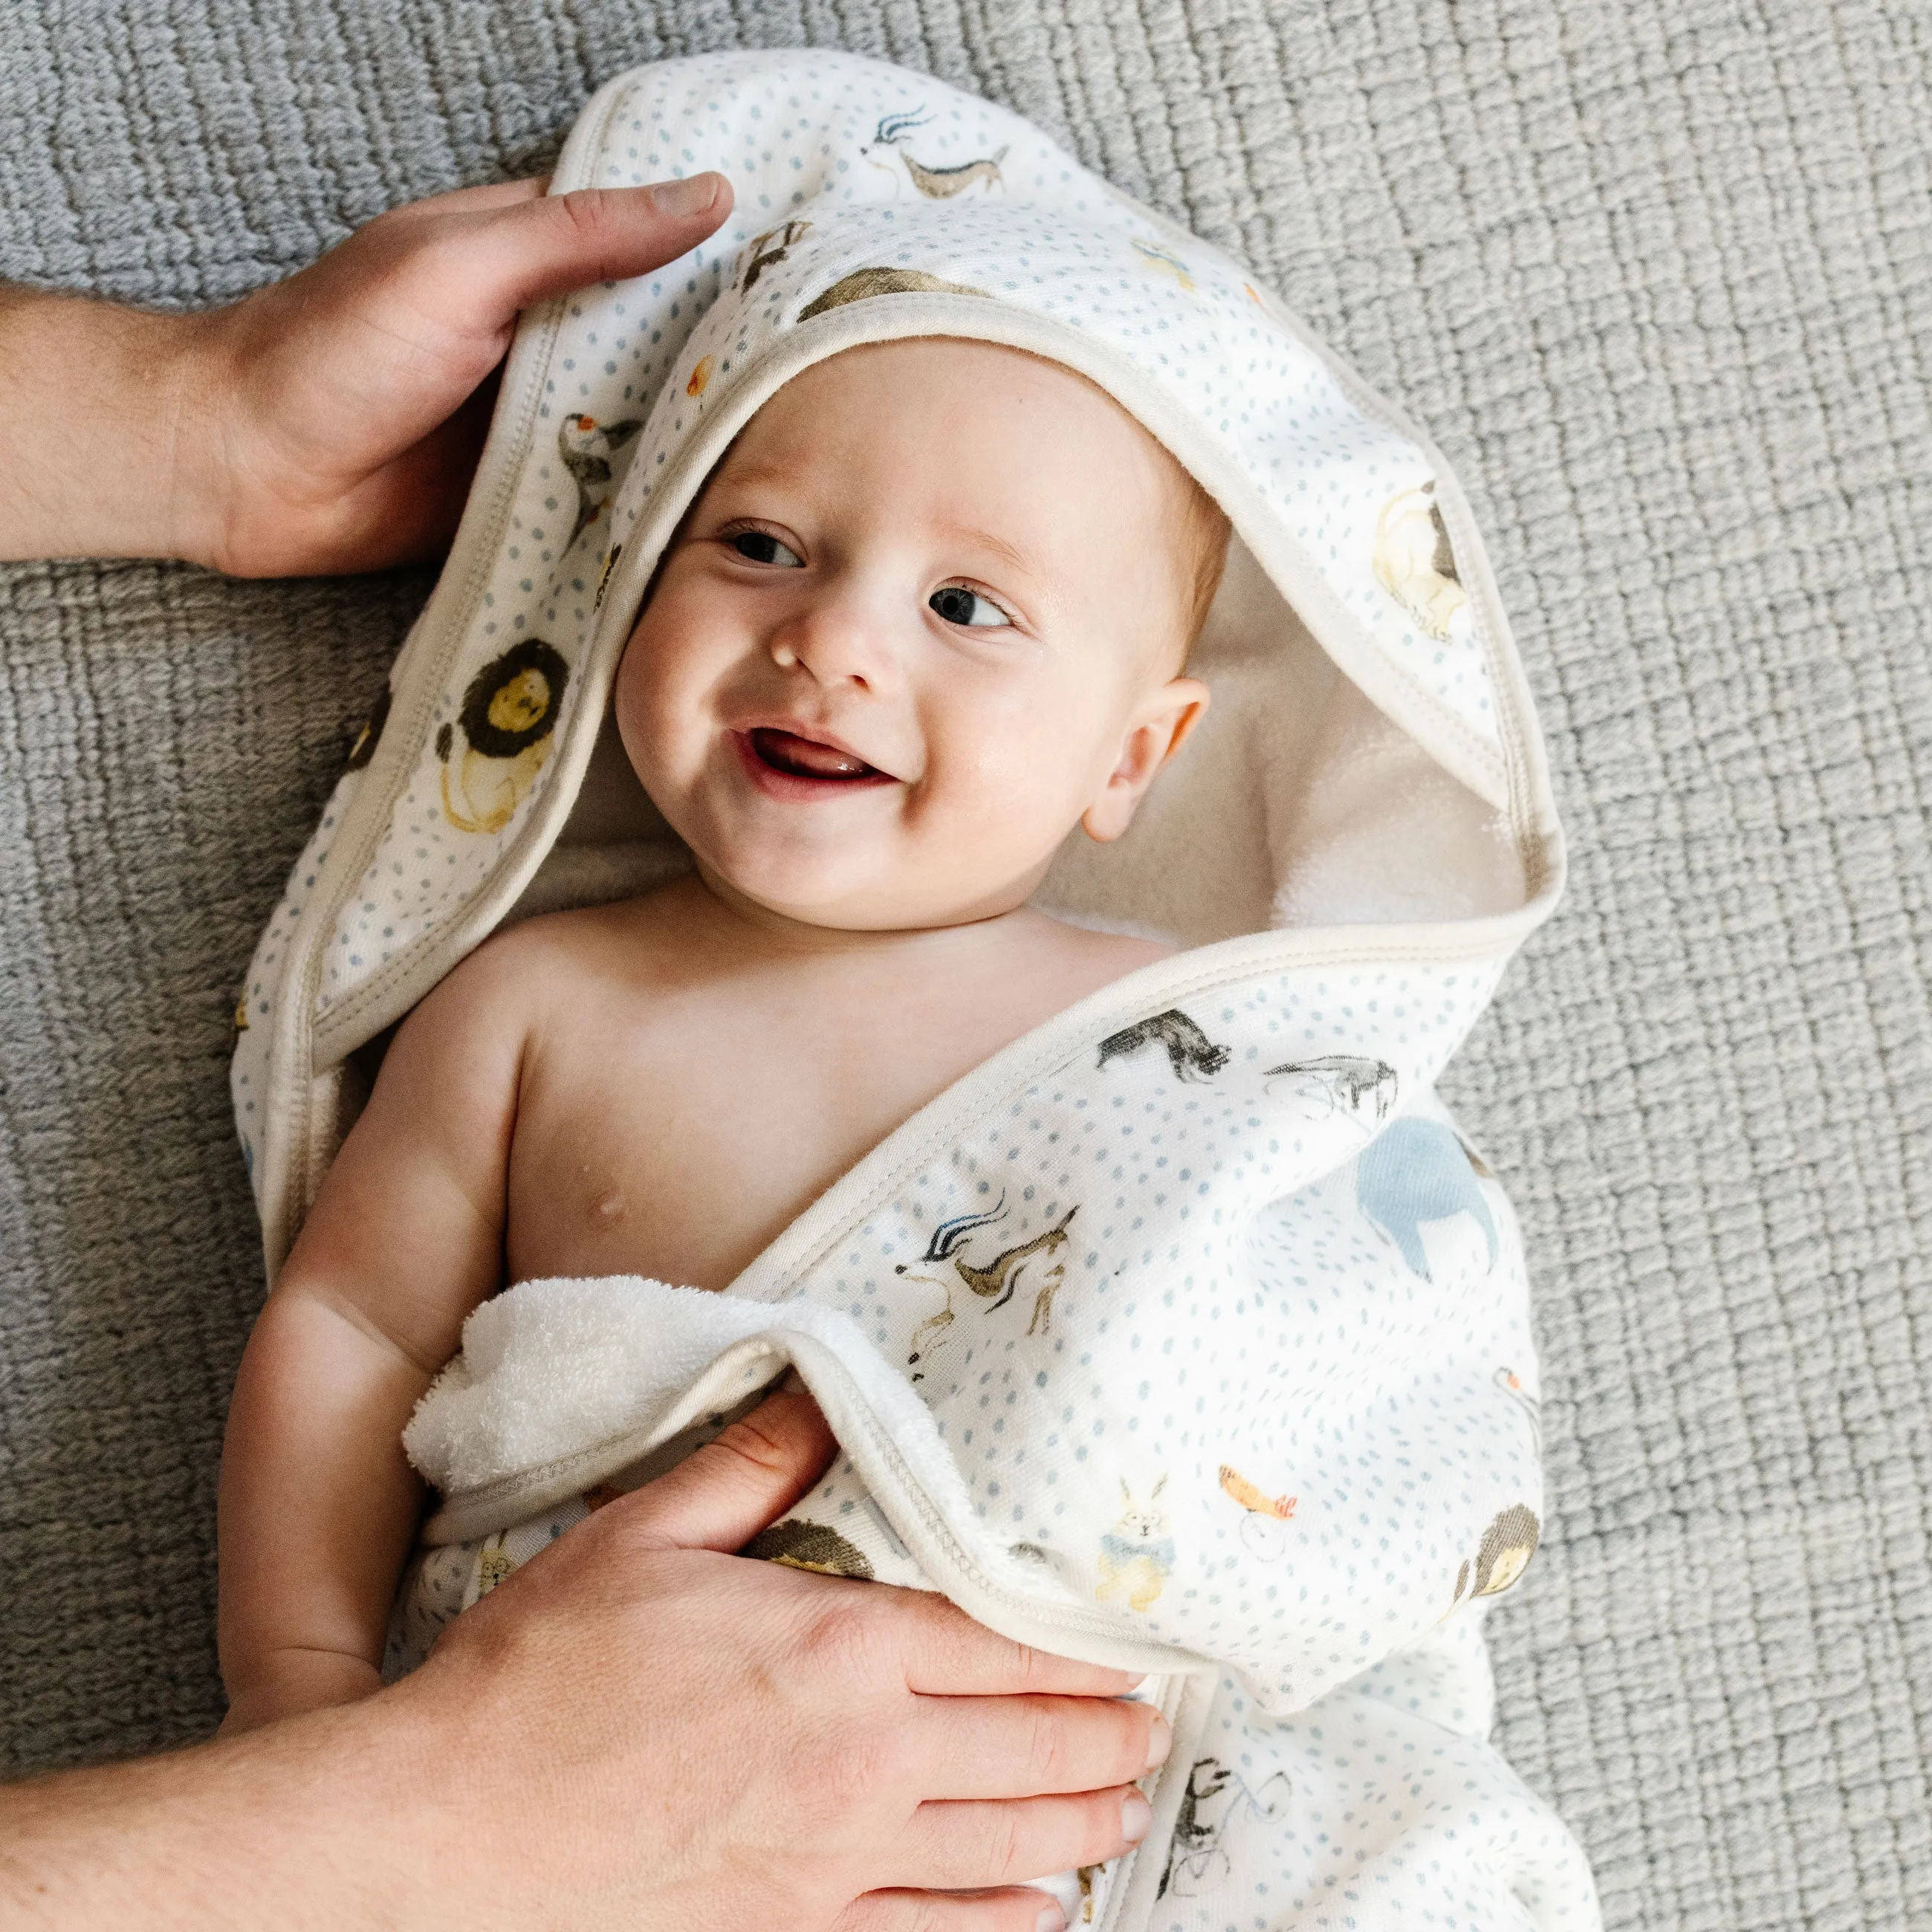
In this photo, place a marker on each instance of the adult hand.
(636, 1729)
(330, 422)
(818, 1752)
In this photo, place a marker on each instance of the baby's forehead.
(961, 413)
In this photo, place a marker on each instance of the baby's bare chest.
(677, 1140)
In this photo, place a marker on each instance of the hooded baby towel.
(1187, 1333)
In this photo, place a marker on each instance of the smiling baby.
(930, 613)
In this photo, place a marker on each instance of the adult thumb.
(521, 253)
(720, 1497)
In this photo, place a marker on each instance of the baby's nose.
(837, 641)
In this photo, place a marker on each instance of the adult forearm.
(97, 408)
(293, 1825)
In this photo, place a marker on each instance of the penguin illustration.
(1413, 563)
(1415, 1172)
(585, 446)
(509, 712)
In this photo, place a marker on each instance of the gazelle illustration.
(998, 1280)
(1000, 1276)
(935, 183)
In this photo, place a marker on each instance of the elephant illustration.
(1413, 1171)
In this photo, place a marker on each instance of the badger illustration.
(1190, 1053)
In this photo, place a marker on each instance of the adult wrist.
(320, 1821)
(107, 429)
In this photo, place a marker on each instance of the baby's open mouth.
(806, 757)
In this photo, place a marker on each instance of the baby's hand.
(287, 1682)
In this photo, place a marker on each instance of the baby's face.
(923, 619)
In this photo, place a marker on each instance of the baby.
(930, 612)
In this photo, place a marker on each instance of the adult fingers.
(1011, 1909)
(1024, 1747)
(947, 1654)
(514, 255)
(721, 1496)
(949, 1845)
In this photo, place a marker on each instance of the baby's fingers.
(954, 1846)
(1013, 1909)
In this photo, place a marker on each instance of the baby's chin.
(839, 897)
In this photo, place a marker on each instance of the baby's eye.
(761, 546)
(958, 605)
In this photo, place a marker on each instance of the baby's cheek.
(1019, 789)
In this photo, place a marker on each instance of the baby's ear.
(1162, 720)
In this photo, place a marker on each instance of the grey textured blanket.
(1659, 276)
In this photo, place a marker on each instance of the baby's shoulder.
(555, 956)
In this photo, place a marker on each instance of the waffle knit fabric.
(1655, 277)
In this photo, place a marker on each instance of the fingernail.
(1051, 1919)
(1160, 1741)
(1136, 1815)
(678, 199)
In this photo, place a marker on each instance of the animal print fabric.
(854, 180)
(1210, 1346)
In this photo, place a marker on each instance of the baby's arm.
(318, 1504)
